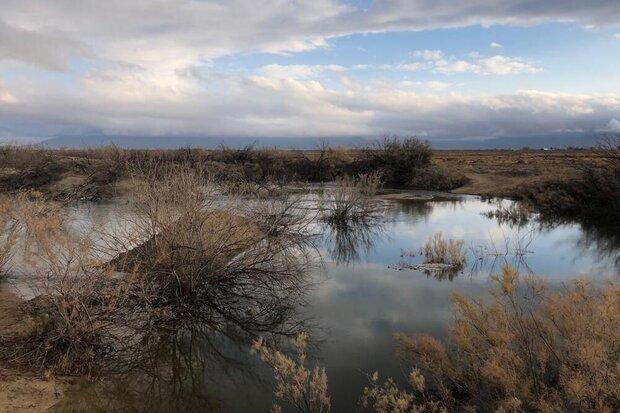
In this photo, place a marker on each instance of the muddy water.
(366, 290)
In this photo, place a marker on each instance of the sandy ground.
(21, 392)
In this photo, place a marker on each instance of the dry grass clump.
(304, 389)
(439, 251)
(352, 200)
(529, 349)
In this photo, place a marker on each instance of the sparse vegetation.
(589, 194)
(440, 251)
(296, 385)
(68, 174)
(351, 200)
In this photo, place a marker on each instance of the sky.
(435, 69)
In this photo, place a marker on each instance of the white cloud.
(257, 105)
(143, 69)
(436, 85)
(46, 50)
(502, 65)
(617, 36)
(437, 61)
(298, 71)
(496, 45)
(428, 54)
(184, 32)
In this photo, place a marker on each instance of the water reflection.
(346, 242)
(353, 310)
(196, 364)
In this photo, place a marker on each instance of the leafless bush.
(304, 389)
(396, 158)
(351, 200)
(182, 256)
(66, 328)
(185, 249)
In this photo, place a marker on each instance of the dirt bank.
(24, 393)
(497, 173)
(19, 391)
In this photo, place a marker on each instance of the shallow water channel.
(367, 288)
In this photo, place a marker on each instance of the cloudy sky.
(308, 68)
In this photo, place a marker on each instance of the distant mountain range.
(559, 140)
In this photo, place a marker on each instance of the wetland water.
(363, 293)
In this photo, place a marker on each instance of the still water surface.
(360, 296)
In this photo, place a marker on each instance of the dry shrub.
(66, 328)
(388, 397)
(589, 194)
(185, 248)
(396, 159)
(437, 177)
(439, 251)
(528, 349)
(351, 200)
(296, 385)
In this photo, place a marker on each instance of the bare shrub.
(66, 328)
(184, 250)
(304, 389)
(351, 200)
(396, 159)
(528, 349)
(439, 251)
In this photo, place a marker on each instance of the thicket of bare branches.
(179, 252)
(352, 200)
